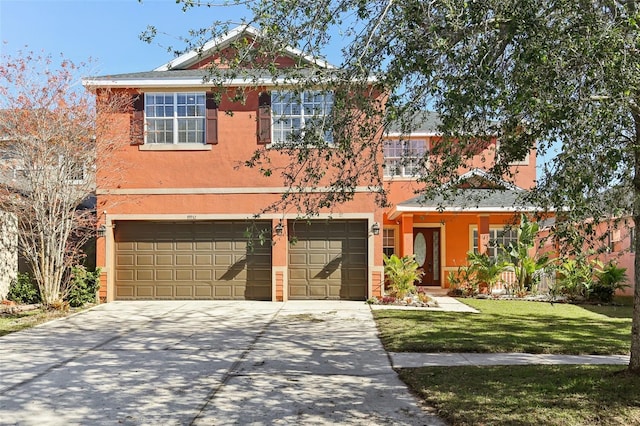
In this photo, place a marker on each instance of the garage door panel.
(329, 260)
(144, 275)
(164, 260)
(125, 260)
(147, 291)
(185, 261)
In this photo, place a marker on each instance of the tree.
(542, 75)
(48, 132)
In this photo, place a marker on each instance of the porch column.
(279, 261)
(483, 233)
(406, 234)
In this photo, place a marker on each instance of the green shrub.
(401, 274)
(609, 279)
(23, 290)
(575, 278)
(84, 286)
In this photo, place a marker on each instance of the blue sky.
(105, 30)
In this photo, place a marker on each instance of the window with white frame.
(173, 118)
(293, 112)
(497, 238)
(388, 241)
(402, 157)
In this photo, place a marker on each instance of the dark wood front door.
(426, 246)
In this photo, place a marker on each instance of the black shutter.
(212, 119)
(136, 124)
(264, 118)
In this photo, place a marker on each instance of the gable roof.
(212, 46)
(176, 73)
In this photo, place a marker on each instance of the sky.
(105, 31)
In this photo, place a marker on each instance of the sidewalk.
(410, 359)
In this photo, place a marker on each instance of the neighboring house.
(176, 217)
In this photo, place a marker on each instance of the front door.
(426, 246)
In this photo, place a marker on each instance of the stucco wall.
(8, 251)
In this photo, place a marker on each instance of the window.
(292, 113)
(402, 158)
(632, 242)
(388, 241)
(497, 238)
(175, 118)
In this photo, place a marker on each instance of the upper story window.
(173, 118)
(402, 157)
(294, 113)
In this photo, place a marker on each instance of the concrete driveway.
(209, 363)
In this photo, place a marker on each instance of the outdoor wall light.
(279, 229)
(102, 231)
(375, 228)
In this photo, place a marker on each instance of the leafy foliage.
(84, 286)
(485, 269)
(557, 76)
(24, 290)
(525, 266)
(609, 279)
(401, 274)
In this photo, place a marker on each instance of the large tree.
(548, 75)
(48, 131)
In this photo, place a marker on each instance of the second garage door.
(328, 259)
(193, 260)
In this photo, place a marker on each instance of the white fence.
(508, 279)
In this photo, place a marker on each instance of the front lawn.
(509, 326)
(529, 395)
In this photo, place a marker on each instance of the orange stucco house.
(175, 216)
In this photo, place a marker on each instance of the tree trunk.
(634, 363)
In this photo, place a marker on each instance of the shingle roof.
(424, 122)
(471, 200)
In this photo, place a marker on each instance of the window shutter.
(137, 120)
(264, 118)
(212, 119)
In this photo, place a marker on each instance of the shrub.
(575, 278)
(401, 273)
(609, 279)
(24, 290)
(84, 286)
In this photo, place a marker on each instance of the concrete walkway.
(445, 304)
(410, 360)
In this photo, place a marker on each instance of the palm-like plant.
(485, 269)
(401, 274)
(524, 265)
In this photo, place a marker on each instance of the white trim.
(175, 147)
(225, 190)
(195, 82)
(434, 209)
(193, 56)
(411, 134)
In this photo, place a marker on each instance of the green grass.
(10, 323)
(509, 326)
(529, 395)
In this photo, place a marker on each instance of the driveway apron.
(205, 363)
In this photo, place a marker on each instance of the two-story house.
(176, 218)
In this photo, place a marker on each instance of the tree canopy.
(557, 76)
